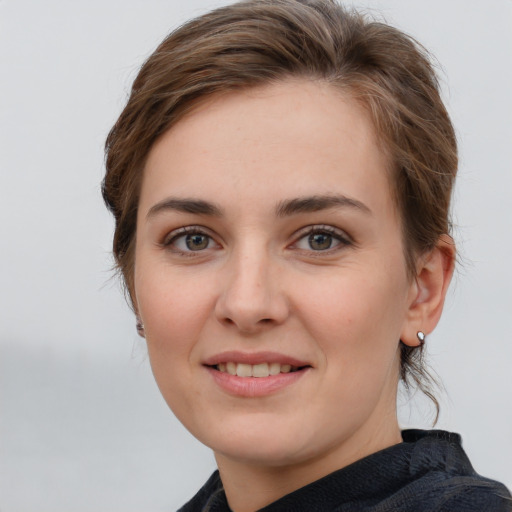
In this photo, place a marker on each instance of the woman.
(281, 180)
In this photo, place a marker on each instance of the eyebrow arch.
(194, 206)
(317, 203)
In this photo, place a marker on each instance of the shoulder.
(462, 494)
(479, 495)
(446, 480)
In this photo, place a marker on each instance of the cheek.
(354, 305)
(354, 321)
(174, 312)
(357, 329)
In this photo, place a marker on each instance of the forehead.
(282, 139)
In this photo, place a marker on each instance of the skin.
(254, 282)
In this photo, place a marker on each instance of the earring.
(421, 337)
(140, 328)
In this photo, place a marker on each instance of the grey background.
(82, 425)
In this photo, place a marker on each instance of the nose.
(252, 298)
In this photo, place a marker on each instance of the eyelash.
(335, 234)
(343, 240)
(169, 241)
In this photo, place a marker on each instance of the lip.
(254, 358)
(253, 387)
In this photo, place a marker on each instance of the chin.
(261, 453)
(267, 443)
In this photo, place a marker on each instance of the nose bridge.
(251, 296)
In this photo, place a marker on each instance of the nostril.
(264, 321)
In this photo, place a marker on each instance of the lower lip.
(253, 387)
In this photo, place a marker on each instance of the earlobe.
(140, 327)
(139, 324)
(429, 289)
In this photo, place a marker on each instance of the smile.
(255, 370)
(251, 375)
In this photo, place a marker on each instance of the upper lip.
(253, 358)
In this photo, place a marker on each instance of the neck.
(250, 487)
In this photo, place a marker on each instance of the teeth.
(257, 370)
(244, 370)
(275, 368)
(260, 370)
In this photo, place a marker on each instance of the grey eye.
(321, 238)
(197, 241)
(193, 241)
(320, 241)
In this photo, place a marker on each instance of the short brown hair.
(258, 42)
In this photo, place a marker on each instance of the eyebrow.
(194, 206)
(285, 208)
(318, 202)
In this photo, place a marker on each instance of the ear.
(428, 291)
(140, 327)
(139, 324)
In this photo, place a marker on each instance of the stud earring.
(421, 337)
(140, 328)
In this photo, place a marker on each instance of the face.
(270, 275)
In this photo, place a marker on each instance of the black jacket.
(428, 472)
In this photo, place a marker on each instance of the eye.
(188, 240)
(321, 238)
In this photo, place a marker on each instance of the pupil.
(196, 242)
(320, 241)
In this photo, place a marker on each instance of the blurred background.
(82, 424)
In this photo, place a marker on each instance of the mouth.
(256, 374)
(259, 370)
